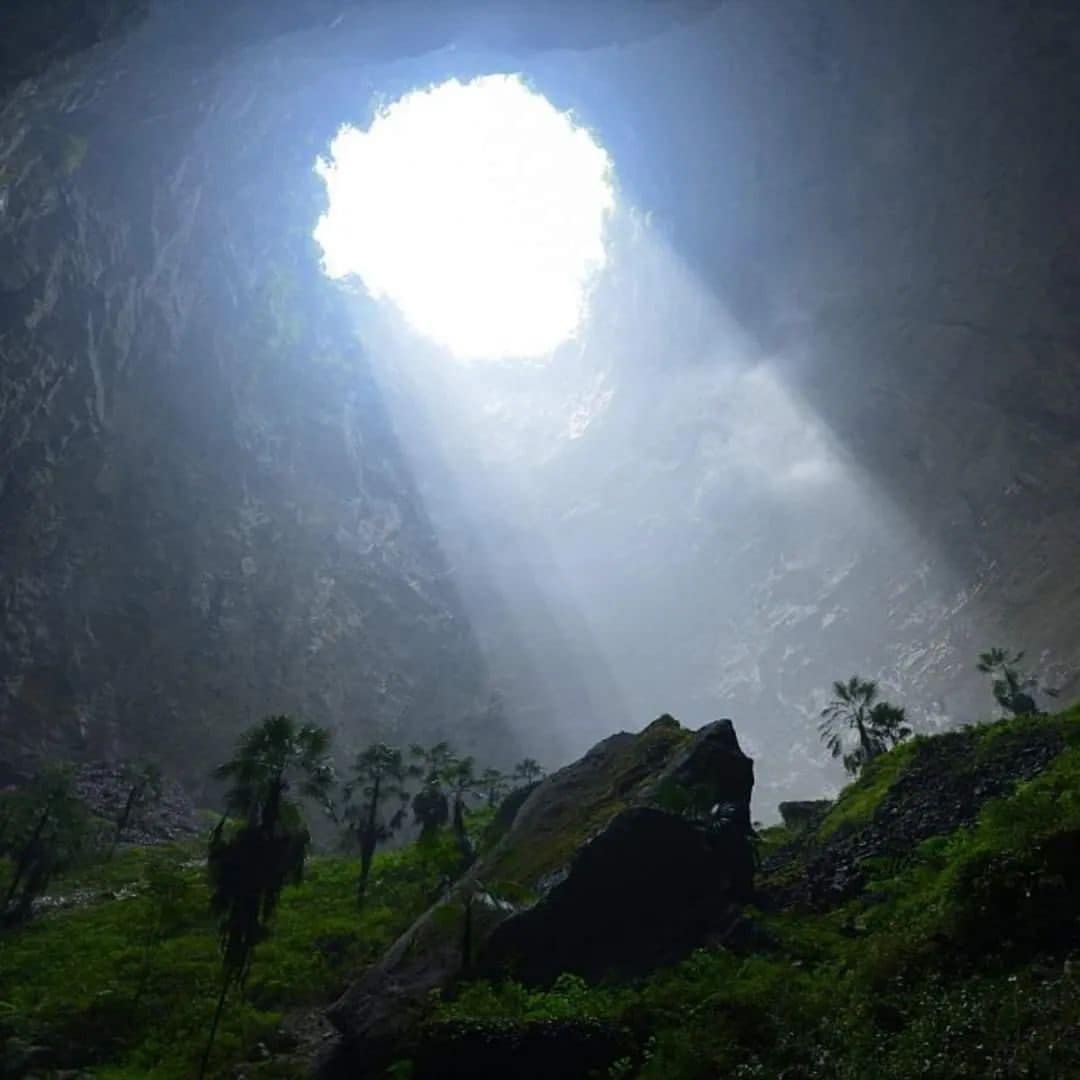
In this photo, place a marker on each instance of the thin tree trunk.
(122, 821)
(368, 841)
(467, 936)
(24, 855)
(864, 740)
(214, 1026)
(144, 974)
(460, 832)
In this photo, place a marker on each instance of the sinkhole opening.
(478, 209)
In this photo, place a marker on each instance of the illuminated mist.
(478, 209)
(649, 520)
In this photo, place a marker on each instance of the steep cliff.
(205, 510)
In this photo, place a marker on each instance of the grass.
(514, 870)
(118, 985)
(955, 964)
(857, 802)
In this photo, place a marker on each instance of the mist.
(805, 429)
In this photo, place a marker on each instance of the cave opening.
(477, 209)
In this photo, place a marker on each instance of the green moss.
(522, 862)
(774, 838)
(857, 802)
(995, 738)
(947, 970)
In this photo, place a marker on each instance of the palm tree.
(250, 862)
(876, 725)
(459, 776)
(430, 806)
(492, 784)
(1011, 685)
(527, 771)
(378, 776)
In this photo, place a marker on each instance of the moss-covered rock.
(925, 788)
(539, 852)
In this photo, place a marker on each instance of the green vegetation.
(955, 960)
(252, 859)
(955, 963)
(137, 952)
(43, 830)
(855, 712)
(856, 803)
(128, 984)
(378, 777)
(1012, 687)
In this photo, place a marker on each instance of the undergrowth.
(126, 983)
(957, 963)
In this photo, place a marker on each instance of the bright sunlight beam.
(478, 209)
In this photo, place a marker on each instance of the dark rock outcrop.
(591, 877)
(644, 892)
(104, 788)
(805, 813)
(942, 788)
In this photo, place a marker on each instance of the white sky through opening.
(478, 209)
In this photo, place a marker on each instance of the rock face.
(206, 510)
(802, 814)
(942, 788)
(104, 788)
(589, 878)
(648, 889)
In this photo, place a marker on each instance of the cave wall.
(884, 198)
(204, 512)
(887, 197)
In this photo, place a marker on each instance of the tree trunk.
(467, 936)
(460, 833)
(122, 821)
(368, 841)
(226, 979)
(865, 742)
(24, 855)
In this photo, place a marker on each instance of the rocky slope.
(926, 924)
(589, 859)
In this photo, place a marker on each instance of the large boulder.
(594, 854)
(645, 891)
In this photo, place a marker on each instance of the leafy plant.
(45, 829)
(249, 864)
(1012, 687)
(527, 771)
(493, 785)
(430, 805)
(856, 711)
(378, 777)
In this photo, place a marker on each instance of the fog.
(811, 425)
(649, 521)
(653, 518)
